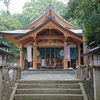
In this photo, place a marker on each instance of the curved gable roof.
(49, 10)
(49, 18)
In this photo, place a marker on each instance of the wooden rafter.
(49, 24)
(54, 37)
(27, 40)
(12, 39)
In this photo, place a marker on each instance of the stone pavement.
(46, 75)
(49, 75)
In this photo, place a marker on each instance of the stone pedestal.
(16, 73)
(80, 71)
(0, 82)
(5, 73)
(96, 78)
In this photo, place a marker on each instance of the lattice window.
(96, 59)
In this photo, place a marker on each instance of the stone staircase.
(48, 90)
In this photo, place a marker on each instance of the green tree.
(85, 14)
(89, 12)
(35, 8)
(21, 18)
(70, 12)
(7, 22)
(6, 3)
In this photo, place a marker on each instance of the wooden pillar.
(21, 57)
(23, 64)
(0, 82)
(78, 61)
(34, 57)
(65, 60)
(96, 78)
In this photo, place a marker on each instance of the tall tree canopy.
(35, 8)
(7, 22)
(85, 14)
(6, 2)
(69, 13)
(89, 13)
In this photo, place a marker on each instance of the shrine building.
(48, 42)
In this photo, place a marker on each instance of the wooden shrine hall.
(44, 42)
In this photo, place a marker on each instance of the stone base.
(70, 68)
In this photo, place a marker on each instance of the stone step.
(48, 91)
(48, 97)
(48, 81)
(67, 86)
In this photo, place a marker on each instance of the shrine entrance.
(50, 57)
(44, 42)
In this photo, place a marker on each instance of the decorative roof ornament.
(50, 6)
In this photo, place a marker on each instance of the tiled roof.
(49, 18)
(5, 52)
(3, 44)
(91, 51)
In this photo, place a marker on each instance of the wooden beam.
(35, 57)
(21, 57)
(75, 41)
(46, 26)
(78, 61)
(52, 37)
(65, 59)
(27, 40)
(34, 34)
(66, 33)
(12, 39)
(50, 44)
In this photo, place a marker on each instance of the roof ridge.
(48, 18)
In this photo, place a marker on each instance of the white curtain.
(29, 53)
(67, 52)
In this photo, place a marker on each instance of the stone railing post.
(96, 79)
(16, 73)
(0, 82)
(80, 71)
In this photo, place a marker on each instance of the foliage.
(35, 8)
(85, 14)
(70, 12)
(31, 11)
(89, 10)
(21, 18)
(7, 22)
(6, 2)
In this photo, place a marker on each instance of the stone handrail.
(13, 92)
(83, 91)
